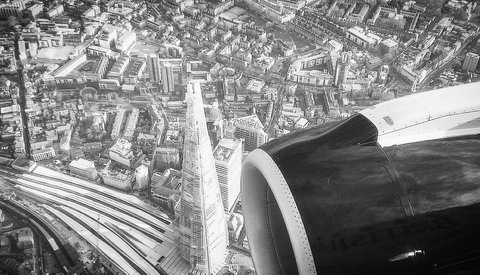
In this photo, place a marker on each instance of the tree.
(392, 24)
(457, 65)
(460, 14)
(12, 21)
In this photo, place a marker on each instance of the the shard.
(202, 223)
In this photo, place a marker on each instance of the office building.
(235, 225)
(84, 168)
(33, 48)
(250, 129)
(117, 178)
(228, 163)
(42, 154)
(358, 36)
(334, 46)
(2, 219)
(97, 71)
(56, 10)
(135, 70)
(141, 177)
(471, 62)
(166, 157)
(214, 119)
(121, 152)
(388, 46)
(22, 48)
(165, 189)
(125, 41)
(202, 222)
(107, 38)
(131, 125)
(383, 74)
(118, 124)
(167, 78)
(153, 66)
(70, 66)
(342, 69)
(35, 10)
(7, 10)
(118, 69)
(109, 84)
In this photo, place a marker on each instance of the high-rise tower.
(228, 163)
(341, 71)
(202, 223)
(471, 62)
(250, 129)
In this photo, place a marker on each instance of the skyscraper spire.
(202, 223)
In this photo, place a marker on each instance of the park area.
(88, 132)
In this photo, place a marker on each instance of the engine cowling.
(394, 189)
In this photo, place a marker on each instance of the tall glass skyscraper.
(202, 223)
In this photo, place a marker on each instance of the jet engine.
(394, 189)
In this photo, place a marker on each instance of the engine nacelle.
(395, 189)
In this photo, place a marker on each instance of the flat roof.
(312, 73)
(225, 149)
(168, 183)
(389, 42)
(360, 34)
(82, 164)
(61, 53)
(251, 121)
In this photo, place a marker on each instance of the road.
(277, 109)
(434, 75)
(23, 102)
(457, 57)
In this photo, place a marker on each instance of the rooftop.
(168, 183)
(225, 148)
(82, 164)
(312, 73)
(166, 149)
(122, 147)
(251, 121)
(119, 64)
(61, 53)
(120, 174)
(389, 42)
(335, 44)
(359, 32)
(134, 67)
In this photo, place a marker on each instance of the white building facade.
(228, 163)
